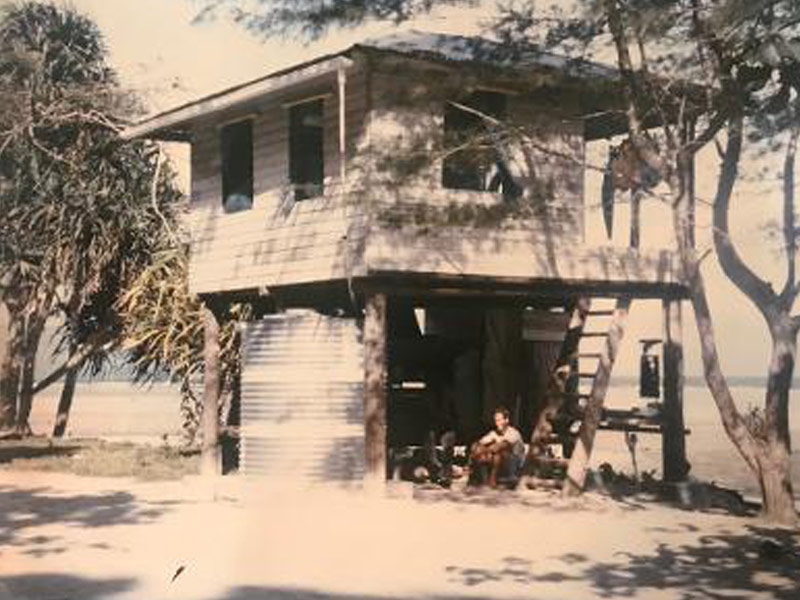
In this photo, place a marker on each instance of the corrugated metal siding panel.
(302, 398)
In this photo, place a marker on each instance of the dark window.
(474, 161)
(237, 166)
(306, 151)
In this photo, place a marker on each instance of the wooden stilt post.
(673, 440)
(375, 388)
(211, 464)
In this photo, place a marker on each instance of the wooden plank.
(229, 266)
(389, 251)
(247, 236)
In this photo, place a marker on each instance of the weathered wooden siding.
(278, 241)
(405, 130)
(417, 225)
(498, 254)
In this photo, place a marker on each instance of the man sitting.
(501, 450)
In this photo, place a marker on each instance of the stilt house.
(410, 215)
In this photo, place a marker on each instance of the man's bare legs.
(493, 456)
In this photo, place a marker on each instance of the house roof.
(457, 48)
(173, 124)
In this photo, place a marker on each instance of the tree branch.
(756, 289)
(625, 63)
(154, 198)
(789, 292)
(715, 125)
(73, 361)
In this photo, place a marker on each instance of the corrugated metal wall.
(302, 398)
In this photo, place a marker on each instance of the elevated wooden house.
(410, 211)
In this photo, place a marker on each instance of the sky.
(159, 52)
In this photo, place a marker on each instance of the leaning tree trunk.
(776, 487)
(65, 402)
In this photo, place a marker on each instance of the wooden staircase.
(581, 376)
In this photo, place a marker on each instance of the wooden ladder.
(571, 414)
(592, 412)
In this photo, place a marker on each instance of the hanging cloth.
(607, 197)
(649, 376)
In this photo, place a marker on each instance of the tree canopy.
(84, 210)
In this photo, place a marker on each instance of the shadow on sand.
(47, 586)
(759, 563)
(549, 500)
(26, 508)
(764, 562)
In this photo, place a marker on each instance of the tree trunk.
(210, 455)
(776, 487)
(65, 402)
(10, 363)
(766, 452)
(75, 360)
(774, 459)
(33, 335)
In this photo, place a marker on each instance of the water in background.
(120, 410)
(711, 454)
(114, 410)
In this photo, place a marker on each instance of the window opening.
(237, 166)
(306, 149)
(476, 160)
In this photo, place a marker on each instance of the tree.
(745, 55)
(742, 59)
(83, 210)
(163, 333)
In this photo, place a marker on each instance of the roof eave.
(173, 125)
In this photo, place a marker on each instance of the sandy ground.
(66, 537)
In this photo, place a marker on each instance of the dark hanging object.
(608, 194)
(649, 376)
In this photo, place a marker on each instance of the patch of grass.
(97, 458)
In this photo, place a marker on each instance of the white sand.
(66, 537)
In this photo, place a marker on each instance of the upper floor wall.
(479, 153)
(313, 182)
(257, 227)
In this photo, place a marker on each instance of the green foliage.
(44, 44)
(314, 17)
(163, 330)
(83, 209)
